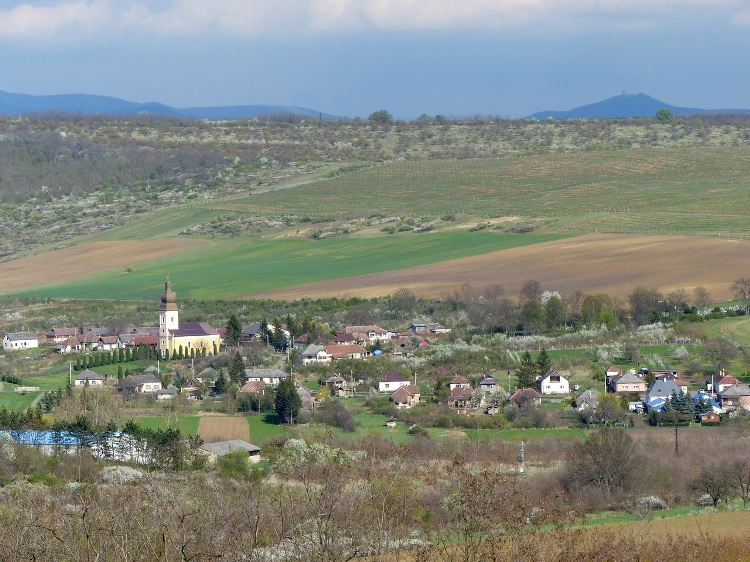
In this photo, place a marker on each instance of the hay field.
(77, 261)
(609, 263)
(222, 428)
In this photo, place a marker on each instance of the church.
(193, 338)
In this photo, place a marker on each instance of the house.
(305, 395)
(459, 382)
(251, 333)
(338, 386)
(428, 328)
(56, 335)
(368, 333)
(671, 376)
(588, 399)
(735, 397)
(192, 338)
(488, 385)
(90, 379)
(19, 340)
(108, 343)
(252, 387)
(554, 383)
(523, 395)
(270, 377)
(613, 371)
(406, 396)
(345, 351)
(166, 393)
(659, 393)
(392, 381)
(69, 345)
(139, 384)
(627, 383)
(315, 354)
(723, 381)
(712, 418)
(707, 398)
(343, 337)
(460, 400)
(214, 451)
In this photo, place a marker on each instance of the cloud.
(242, 18)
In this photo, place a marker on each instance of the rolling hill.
(87, 104)
(627, 105)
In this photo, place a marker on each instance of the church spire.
(168, 299)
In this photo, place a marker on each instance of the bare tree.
(701, 298)
(531, 290)
(716, 482)
(720, 352)
(741, 291)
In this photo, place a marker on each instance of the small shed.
(220, 448)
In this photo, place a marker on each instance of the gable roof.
(273, 373)
(459, 379)
(487, 381)
(195, 329)
(394, 377)
(736, 390)
(20, 336)
(221, 448)
(403, 393)
(662, 389)
(88, 375)
(629, 378)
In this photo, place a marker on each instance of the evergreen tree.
(526, 373)
(703, 406)
(221, 384)
(279, 337)
(237, 369)
(78, 364)
(120, 374)
(287, 402)
(234, 331)
(543, 363)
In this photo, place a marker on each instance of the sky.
(458, 58)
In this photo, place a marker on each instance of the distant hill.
(22, 104)
(627, 105)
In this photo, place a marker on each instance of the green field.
(234, 267)
(687, 190)
(188, 425)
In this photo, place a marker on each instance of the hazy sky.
(351, 57)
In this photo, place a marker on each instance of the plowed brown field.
(223, 428)
(92, 257)
(607, 263)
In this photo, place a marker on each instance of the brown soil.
(92, 257)
(597, 263)
(223, 428)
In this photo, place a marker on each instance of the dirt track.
(68, 263)
(613, 264)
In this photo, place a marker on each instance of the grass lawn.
(262, 430)
(188, 425)
(16, 401)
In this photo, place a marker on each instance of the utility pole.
(521, 460)
(676, 443)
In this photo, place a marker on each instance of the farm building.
(218, 449)
(19, 340)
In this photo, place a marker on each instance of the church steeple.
(168, 319)
(168, 299)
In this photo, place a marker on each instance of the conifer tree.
(543, 363)
(287, 403)
(526, 373)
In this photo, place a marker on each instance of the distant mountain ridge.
(628, 105)
(22, 104)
